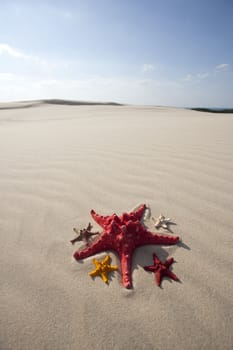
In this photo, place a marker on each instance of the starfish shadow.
(144, 255)
(80, 262)
(171, 224)
(183, 245)
(112, 275)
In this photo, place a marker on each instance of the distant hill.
(78, 103)
(34, 103)
(213, 110)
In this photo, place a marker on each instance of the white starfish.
(161, 221)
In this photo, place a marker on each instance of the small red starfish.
(161, 269)
(123, 234)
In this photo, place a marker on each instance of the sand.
(60, 161)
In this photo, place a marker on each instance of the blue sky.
(157, 52)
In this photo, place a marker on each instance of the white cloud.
(223, 67)
(6, 49)
(15, 53)
(147, 67)
(196, 77)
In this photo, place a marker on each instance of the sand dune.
(59, 161)
(37, 103)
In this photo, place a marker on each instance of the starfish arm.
(168, 262)
(93, 273)
(96, 262)
(158, 278)
(106, 260)
(100, 219)
(156, 260)
(149, 268)
(126, 261)
(104, 277)
(94, 233)
(112, 268)
(151, 238)
(97, 247)
(167, 220)
(139, 212)
(76, 239)
(172, 275)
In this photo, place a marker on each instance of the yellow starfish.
(103, 268)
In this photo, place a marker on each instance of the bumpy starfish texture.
(161, 269)
(161, 221)
(84, 234)
(123, 234)
(103, 268)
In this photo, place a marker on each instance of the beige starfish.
(161, 221)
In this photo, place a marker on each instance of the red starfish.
(123, 234)
(161, 269)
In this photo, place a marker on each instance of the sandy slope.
(58, 162)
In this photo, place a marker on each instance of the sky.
(147, 52)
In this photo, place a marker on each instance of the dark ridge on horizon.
(79, 103)
(34, 103)
(213, 110)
